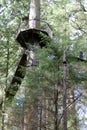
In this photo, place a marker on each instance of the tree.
(47, 104)
(34, 17)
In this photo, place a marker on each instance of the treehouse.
(32, 32)
(33, 35)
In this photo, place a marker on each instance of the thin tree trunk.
(39, 113)
(3, 102)
(73, 111)
(22, 114)
(44, 111)
(64, 92)
(56, 109)
(3, 111)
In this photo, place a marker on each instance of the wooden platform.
(32, 36)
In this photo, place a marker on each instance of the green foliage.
(77, 75)
(68, 22)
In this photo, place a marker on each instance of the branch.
(69, 106)
(77, 27)
(82, 7)
(2, 10)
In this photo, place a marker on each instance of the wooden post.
(34, 15)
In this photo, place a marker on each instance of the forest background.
(42, 101)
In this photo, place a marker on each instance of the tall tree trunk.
(3, 102)
(72, 112)
(56, 108)
(22, 118)
(64, 92)
(44, 111)
(40, 113)
(34, 16)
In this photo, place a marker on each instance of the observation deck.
(34, 36)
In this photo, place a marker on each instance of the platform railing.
(44, 26)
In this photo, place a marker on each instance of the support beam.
(17, 78)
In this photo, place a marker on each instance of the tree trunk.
(56, 108)
(22, 117)
(64, 93)
(39, 113)
(34, 16)
(44, 111)
(72, 112)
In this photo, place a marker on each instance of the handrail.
(45, 27)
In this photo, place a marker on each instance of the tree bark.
(34, 16)
(56, 108)
(64, 92)
(40, 113)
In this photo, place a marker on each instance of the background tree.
(43, 96)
